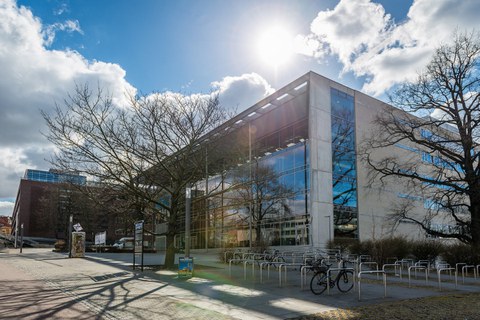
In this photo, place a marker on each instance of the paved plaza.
(41, 284)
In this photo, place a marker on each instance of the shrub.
(397, 247)
(461, 253)
(426, 249)
(382, 249)
(360, 247)
(60, 245)
(226, 251)
(343, 244)
(260, 246)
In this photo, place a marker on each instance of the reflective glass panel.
(344, 171)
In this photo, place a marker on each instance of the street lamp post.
(16, 234)
(70, 223)
(21, 238)
(188, 204)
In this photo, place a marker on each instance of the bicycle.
(272, 259)
(343, 280)
(236, 255)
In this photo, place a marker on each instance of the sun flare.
(275, 46)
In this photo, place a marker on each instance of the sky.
(241, 50)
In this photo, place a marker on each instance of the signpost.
(185, 264)
(70, 225)
(21, 238)
(138, 243)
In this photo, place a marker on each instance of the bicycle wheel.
(318, 284)
(345, 280)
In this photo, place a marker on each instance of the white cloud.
(63, 7)
(15, 160)
(369, 43)
(241, 92)
(33, 79)
(6, 208)
(68, 26)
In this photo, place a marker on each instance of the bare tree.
(150, 149)
(441, 132)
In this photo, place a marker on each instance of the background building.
(46, 199)
(5, 226)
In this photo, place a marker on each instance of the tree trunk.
(258, 236)
(170, 254)
(475, 222)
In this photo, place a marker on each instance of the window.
(344, 171)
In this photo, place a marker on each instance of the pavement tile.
(105, 287)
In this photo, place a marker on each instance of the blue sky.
(176, 45)
(191, 46)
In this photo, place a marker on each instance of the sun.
(275, 46)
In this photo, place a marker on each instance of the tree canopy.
(440, 131)
(148, 150)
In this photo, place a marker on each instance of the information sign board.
(101, 238)
(138, 245)
(185, 267)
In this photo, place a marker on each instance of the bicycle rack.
(415, 268)
(303, 275)
(368, 263)
(268, 264)
(245, 262)
(465, 269)
(365, 258)
(262, 264)
(285, 266)
(230, 265)
(460, 264)
(395, 265)
(425, 263)
(370, 272)
(329, 271)
(439, 271)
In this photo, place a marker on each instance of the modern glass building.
(296, 178)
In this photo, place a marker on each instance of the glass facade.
(259, 194)
(261, 198)
(54, 177)
(264, 201)
(344, 171)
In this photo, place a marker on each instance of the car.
(124, 243)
